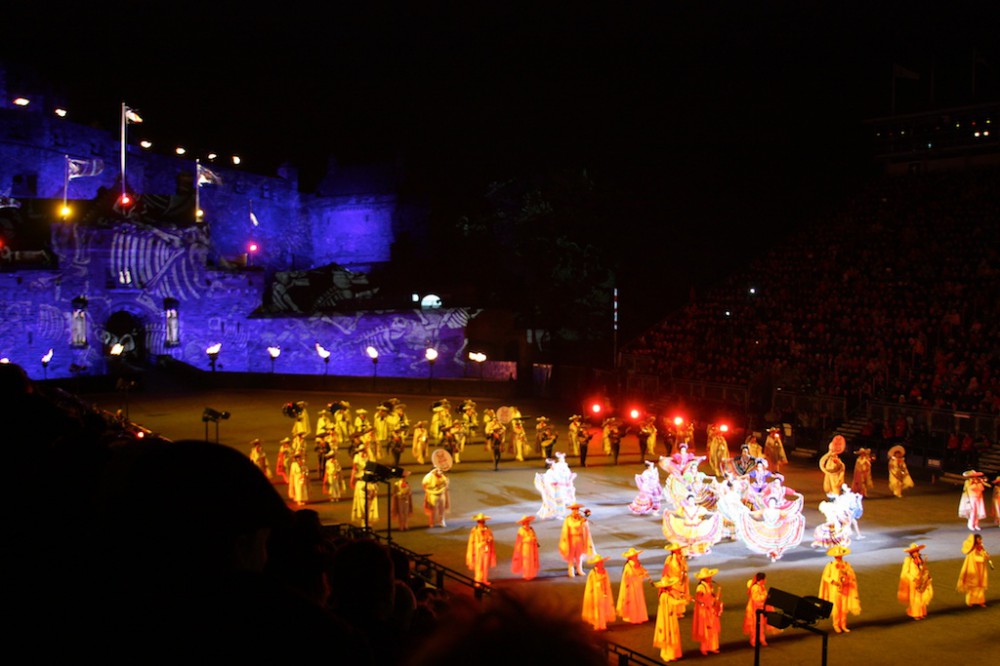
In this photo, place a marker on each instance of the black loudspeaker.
(789, 608)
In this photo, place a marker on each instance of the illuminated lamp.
(678, 421)
(634, 413)
(213, 354)
(431, 355)
(252, 249)
(478, 358)
(60, 112)
(124, 200)
(212, 156)
(21, 101)
(325, 355)
(373, 355)
(65, 212)
(146, 144)
(180, 150)
(236, 160)
(46, 359)
(274, 352)
(724, 428)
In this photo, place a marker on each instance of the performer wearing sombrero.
(598, 602)
(861, 481)
(972, 506)
(899, 475)
(707, 623)
(437, 499)
(480, 554)
(675, 567)
(974, 578)
(667, 635)
(757, 600)
(631, 605)
(996, 501)
(833, 467)
(839, 586)
(525, 560)
(915, 587)
(574, 540)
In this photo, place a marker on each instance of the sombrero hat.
(575, 505)
(667, 581)
(597, 559)
(898, 449)
(673, 545)
(838, 444)
(706, 573)
(631, 552)
(525, 520)
(480, 516)
(838, 551)
(972, 474)
(914, 547)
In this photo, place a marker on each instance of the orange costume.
(631, 595)
(839, 586)
(667, 635)
(915, 588)
(675, 567)
(973, 579)
(707, 622)
(525, 560)
(899, 475)
(598, 601)
(480, 554)
(756, 600)
(574, 540)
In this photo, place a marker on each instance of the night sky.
(712, 128)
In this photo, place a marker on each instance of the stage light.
(478, 358)
(116, 349)
(634, 413)
(212, 156)
(65, 212)
(678, 421)
(214, 415)
(372, 353)
(145, 143)
(21, 101)
(596, 408)
(60, 112)
(325, 355)
(253, 247)
(274, 352)
(431, 355)
(724, 428)
(46, 359)
(792, 609)
(124, 200)
(213, 354)
(236, 160)
(180, 150)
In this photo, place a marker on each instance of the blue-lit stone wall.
(139, 271)
(354, 232)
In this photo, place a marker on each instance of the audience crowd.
(895, 297)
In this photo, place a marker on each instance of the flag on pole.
(208, 177)
(83, 168)
(131, 115)
(900, 72)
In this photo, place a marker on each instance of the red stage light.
(596, 408)
(678, 421)
(724, 428)
(634, 413)
(125, 200)
(253, 247)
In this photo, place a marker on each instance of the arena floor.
(882, 634)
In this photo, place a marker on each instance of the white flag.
(132, 116)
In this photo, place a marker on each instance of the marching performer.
(718, 450)
(631, 605)
(667, 634)
(598, 601)
(481, 554)
(437, 499)
(707, 623)
(861, 481)
(420, 435)
(402, 501)
(774, 450)
(675, 567)
(839, 586)
(259, 458)
(756, 600)
(899, 475)
(525, 560)
(574, 540)
(915, 588)
(833, 467)
(972, 506)
(973, 579)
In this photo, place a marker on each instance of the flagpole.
(65, 185)
(197, 188)
(123, 149)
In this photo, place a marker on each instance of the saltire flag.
(84, 168)
(9, 202)
(132, 116)
(208, 177)
(900, 72)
